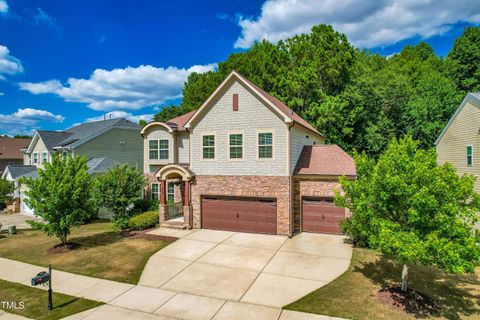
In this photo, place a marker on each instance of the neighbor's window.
(208, 144)
(265, 145)
(170, 192)
(153, 149)
(163, 149)
(469, 155)
(236, 146)
(35, 157)
(65, 154)
(44, 157)
(155, 191)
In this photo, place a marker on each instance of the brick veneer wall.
(244, 186)
(321, 187)
(151, 178)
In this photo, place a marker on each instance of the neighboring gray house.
(105, 144)
(244, 161)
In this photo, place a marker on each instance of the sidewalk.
(126, 301)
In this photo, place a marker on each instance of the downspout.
(290, 182)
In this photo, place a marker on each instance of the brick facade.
(245, 186)
(321, 187)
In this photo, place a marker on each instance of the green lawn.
(103, 252)
(354, 294)
(35, 302)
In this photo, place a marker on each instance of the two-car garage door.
(242, 214)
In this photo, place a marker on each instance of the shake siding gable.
(462, 132)
(300, 138)
(252, 116)
(121, 145)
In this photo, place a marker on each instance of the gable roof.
(472, 97)
(17, 171)
(78, 135)
(10, 148)
(178, 123)
(325, 159)
(100, 165)
(288, 114)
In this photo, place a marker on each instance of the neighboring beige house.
(10, 151)
(459, 142)
(244, 161)
(104, 143)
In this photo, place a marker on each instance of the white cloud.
(2, 94)
(8, 63)
(121, 89)
(25, 121)
(366, 23)
(3, 6)
(123, 114)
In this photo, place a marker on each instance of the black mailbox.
(41, 278)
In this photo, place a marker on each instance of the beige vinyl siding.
(26, 159)
(157, 133)
(299, 138)
(463, 131)
(183, 146)
(120, 145)
(40, 148)
(252, 117)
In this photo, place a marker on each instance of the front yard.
(354, 295)
(102, 252)
(34, 302)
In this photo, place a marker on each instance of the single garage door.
(257, 215)
(320, 215)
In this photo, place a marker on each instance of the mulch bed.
(142, 234)
(411, 301)
(59, 248)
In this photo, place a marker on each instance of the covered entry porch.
(175, 205)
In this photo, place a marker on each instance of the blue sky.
(66, 62)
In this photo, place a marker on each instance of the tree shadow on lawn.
(457, 295)
(96, 240)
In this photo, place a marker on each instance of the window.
(469, 156)
(265, 145)
(153, 149)
(155, 191)
(236, 146)
(170, 192)
(44, 157)
(11, 163)
(163, 149)
(208, 144)
(64, 154)
(35, 157)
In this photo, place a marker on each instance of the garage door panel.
(237, 214)
(322, 216)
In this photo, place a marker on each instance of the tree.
(142, 123)
(6, 191)
(61, 196)
(167, 113)
(407, 206)
(464, 59)
(118, 190)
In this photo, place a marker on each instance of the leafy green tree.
(118, 190)
(61, 196)
(142, 123)
(6, 191)
(407, 206)
(167, 113)
(464, 59)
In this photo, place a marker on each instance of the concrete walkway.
(18, 219)
(209, 275)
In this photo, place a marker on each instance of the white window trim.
(149, 149)
(167, 193)
(46, 158)
(272, 131)
(215, 149)
(35, 155)
(228, 145)
(157, 193)
(466, 158)
(168, 149)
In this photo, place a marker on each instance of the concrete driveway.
(18, 219)
(214, 267)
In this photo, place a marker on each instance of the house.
(105, 144)
(459, 142)
(244, 161)
(10, 151)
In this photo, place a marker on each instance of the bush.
(142, 205)
(143, 221)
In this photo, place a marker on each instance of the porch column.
(163, 191)
(186, 194)
(187, 208)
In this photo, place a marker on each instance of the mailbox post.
(42, 278)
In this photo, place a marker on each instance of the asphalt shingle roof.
(325, 159)
(20, 170)
(100, 165)
(10, 147)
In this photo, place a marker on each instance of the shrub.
(141, 205)
(143, 221)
